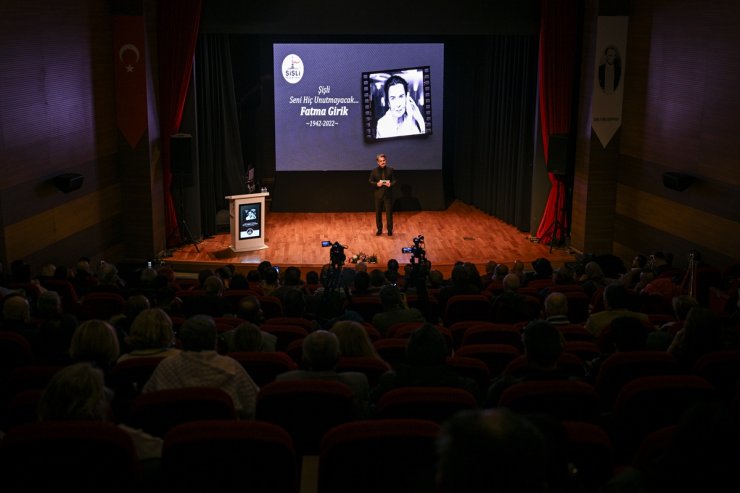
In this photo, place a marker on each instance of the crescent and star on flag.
(132, 48)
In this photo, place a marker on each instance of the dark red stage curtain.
(178, 34)
(557, 57)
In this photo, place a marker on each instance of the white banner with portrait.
(611, 48)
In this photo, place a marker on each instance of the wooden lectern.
(247, 216)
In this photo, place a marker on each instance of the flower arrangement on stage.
(363, 257)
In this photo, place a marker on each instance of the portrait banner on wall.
(611, 48)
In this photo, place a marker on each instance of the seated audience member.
(395, 310)
(592, 279)
(239, 282)
(225, 274)
(95, 342)
(543, 346)
(425, 366)
(494, 450)
(108, 279)
(78, 393)
(291, 282)
(510, 306)
(701, 334)
(212, 303)
(134, 305)
(542, 270)
(616, 301)
(320, 357)
(556, 309)
(83, 278)
(151, 335)
(17, 318)
(248, 337)
(460, 284)
(354, 341)
(377, 280)
(270, 281)
(295, 306)
(250, 309)
(625, 334)
(55, 329)
(199, 365)
(361, 284)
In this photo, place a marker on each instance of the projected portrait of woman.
(402, 114)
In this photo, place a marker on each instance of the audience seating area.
(616, 408)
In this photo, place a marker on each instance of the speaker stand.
(184, 228)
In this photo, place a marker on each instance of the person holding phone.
(382, 178)
(403, 116)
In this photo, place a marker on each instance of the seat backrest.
(722, 369)
(565, 400)
(285, 334)
(466, 307)
(217, 455)
(15, 350)
(271, 306)
(306, 409)
(591, 451)
(490, 333)
(471, 368)
(431, 403)
(263, 367)
(373, 368)
(393, 351)
(158, 411)
(69, 456)
(101, 305)
(623, 367)
(495, 356)
(379, 455)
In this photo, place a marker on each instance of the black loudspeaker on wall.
(68, 182)
(677, 181)
(181, 146)
(558, 154)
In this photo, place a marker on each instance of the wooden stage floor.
(460, 233)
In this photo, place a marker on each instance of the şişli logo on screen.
(292, 68)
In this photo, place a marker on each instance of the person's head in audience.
(353, 339)
(292, 276)
(95, 341)
(616, 297)
(263, 268)
(49, 304)
(48, 270)
(427, 347)
(151, 329)
(592, 272)
(250, 309)
(224, 273)
(312, 278)
(682, 305)
(253, 276)
(147, 276)
(321, 351)
(294, 303)
(459, 275)
(377, 278)
(493, 450)
(501, 271)
(436, 278)
(361, 266)
(271, 277)
(390, 297)
(542, 268)
(246, 337)
(490, 268)
(701, 335)
(511, 283)
(239, 281)
(16, 308)
(543, 344)
(639, 261)
(556, 304)
(75, 393)
(362, 282)
(563, 275)
(108, 275)
(213, 286)
(198, 333)
(203, 275)
(82, 267)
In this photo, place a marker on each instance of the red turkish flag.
(130, 73)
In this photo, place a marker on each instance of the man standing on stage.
(383, 179)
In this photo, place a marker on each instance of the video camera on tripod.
(336, 254)
(418, 254)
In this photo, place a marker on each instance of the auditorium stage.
(460, 233)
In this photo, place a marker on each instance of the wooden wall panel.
(52, 226)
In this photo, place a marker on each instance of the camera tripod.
(557, 228)
(184, 228)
